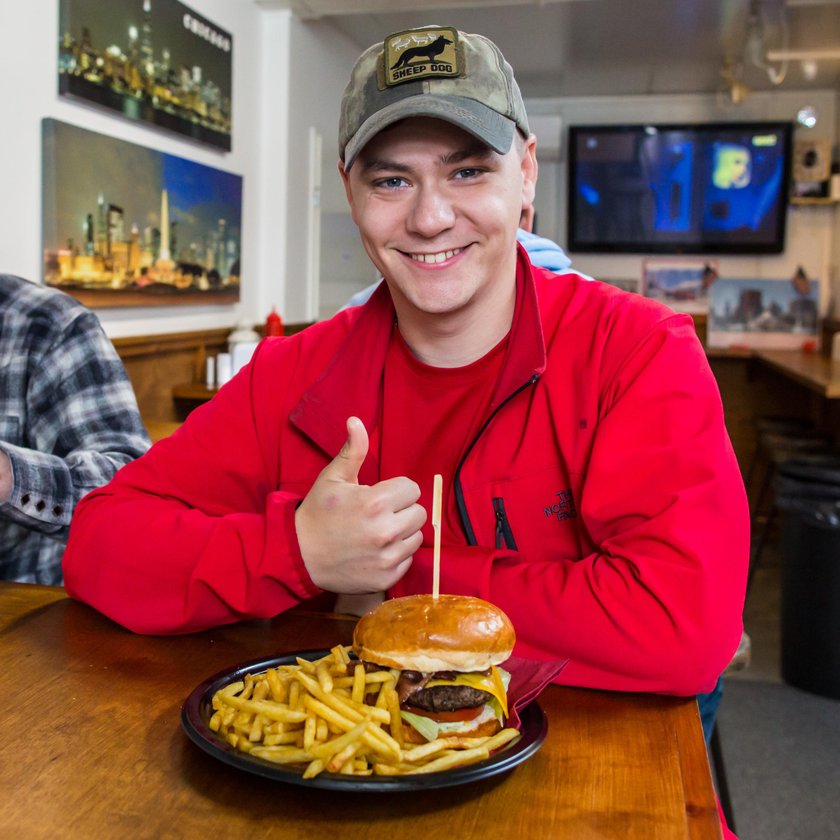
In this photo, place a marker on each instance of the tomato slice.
(445, 717)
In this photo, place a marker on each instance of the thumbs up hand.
(353, 537)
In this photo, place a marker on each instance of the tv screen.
(679, 189)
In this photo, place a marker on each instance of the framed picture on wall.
(124, 225)
(682, 283)
(156, 61)
(764, 313)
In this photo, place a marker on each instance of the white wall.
(288, 76)
(811, 233)
(320, 59)
(28, 63)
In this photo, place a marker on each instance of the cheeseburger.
(447, 650)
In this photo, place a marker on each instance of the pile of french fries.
(316, 716)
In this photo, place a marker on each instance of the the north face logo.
(564, 507)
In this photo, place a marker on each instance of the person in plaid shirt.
(68, 421)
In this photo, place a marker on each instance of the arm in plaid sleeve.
(80, 425)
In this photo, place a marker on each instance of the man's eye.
(391, 183)
(468, 172)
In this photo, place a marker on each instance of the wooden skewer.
(436, 511)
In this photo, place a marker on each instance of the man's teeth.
(435, 258)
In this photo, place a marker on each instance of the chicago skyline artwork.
(156, 61)
(125, 225)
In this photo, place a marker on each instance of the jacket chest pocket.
(536, 514)
(504, 533)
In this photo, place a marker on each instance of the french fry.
(358, 693)
(425, 750)
(282, 754)
(452, 758)
(278, 690)
(306, 665)
(501, 738)
(328, 749)
(272, 740)
(392, 701)
(313, 768)
(341, 657)
(382, 697)
(337, 762)
(324, 677)
(309, 729)
(346, 708)
(274, 711)
(256, 733)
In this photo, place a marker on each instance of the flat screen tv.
(679, 189)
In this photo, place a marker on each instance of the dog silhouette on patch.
(430, 51)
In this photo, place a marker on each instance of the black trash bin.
(808, 494)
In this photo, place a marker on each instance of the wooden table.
(813, 370)
(190, 396)
(92, 746)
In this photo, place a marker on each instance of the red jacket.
(602, 505)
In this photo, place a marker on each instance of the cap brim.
(474, 117)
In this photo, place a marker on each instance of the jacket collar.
(352, 382)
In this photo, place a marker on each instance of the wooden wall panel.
(157, 363)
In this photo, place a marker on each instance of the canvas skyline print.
(125, 225)
(156, 61)
(763, 313)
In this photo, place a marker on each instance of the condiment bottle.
(274, 323)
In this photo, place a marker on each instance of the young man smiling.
(590, 487)
(438, 213)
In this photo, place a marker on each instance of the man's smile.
(439, 257)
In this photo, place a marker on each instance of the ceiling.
(616, 47)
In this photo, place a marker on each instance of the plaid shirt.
(68, 421)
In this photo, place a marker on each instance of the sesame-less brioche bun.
(427, 634)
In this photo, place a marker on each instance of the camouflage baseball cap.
(433, 71)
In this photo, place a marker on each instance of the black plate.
(197, 710)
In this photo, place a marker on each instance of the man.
(590, 487)
(69, 421)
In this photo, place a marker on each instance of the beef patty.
(448, 698)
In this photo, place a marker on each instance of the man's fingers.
(346, 465)
(409, 521)
(401, 492)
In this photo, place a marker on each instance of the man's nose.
(432, 212)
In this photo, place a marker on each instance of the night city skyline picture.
(125, 225)
(155, 61)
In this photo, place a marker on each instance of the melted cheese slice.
(491, 683)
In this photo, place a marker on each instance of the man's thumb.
(346, 465)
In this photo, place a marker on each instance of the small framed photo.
(681, 283)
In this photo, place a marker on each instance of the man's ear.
(345, 178)
(529, 172)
